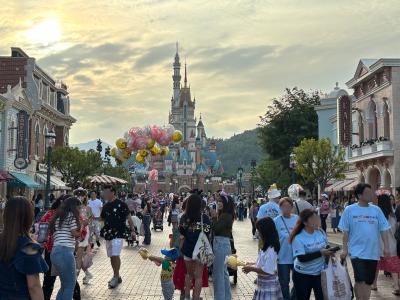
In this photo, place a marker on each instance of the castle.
(193, 163)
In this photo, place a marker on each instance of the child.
(266, 266)
(167, 269)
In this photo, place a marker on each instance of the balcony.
(371, 150)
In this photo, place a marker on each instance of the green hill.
(239, 150)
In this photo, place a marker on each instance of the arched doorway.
(184, 189)
(388, 180)
(374, 178)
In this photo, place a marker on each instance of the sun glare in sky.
(45, 33)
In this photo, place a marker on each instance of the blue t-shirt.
(28, 260)
(364, 225)
(285, 256)
(270, 209)
(305, 243)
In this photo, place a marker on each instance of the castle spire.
(185, 75)
(176, 77)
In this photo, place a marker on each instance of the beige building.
(374, 155)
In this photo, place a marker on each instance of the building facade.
(374, 154)
(33, 105)
(194, 162)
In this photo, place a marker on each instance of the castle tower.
(176, 77)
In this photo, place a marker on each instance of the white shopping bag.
(335, 281)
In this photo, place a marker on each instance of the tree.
(271, 171)
(117, 171)
(75, 165)
(317, 161)
(289, 120)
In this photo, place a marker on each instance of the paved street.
(141, 278)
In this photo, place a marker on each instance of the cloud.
(155, 56)
(83, 79)
(82, 56)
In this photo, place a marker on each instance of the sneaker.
(113, 283)
(119, 279)
(98, 243)
(254, 237)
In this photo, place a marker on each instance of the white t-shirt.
(268, 261)
(63, 235)
(96, 206)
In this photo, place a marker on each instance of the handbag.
(202, 250)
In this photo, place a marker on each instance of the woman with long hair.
(190, 227)
(20, 257)
(146, 211)
(309, 249)
(390, 264)
(65, 227)
(266, 266)
(48, 279)
(222, 222)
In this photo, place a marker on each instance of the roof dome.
(336, 93)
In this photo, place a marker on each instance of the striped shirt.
(63, 235)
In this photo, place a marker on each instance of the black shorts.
(364, 270)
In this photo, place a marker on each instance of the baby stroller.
(158, 220)
(136, 223)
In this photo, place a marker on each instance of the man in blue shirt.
(363, 224)
(271, 208)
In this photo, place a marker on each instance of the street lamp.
(50, 141)
(292, 166)
(207, 181)
(239, 176)
(253, 164)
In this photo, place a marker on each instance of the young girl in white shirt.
(266, 266)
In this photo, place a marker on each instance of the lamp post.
(50, 139)
(292, 166)
(170, 187)
(239, 176)
(253, 164)
(207, 181)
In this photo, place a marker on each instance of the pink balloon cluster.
(144, 138)
(153, 175)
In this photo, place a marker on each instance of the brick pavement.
(141, 278)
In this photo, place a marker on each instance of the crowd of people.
(293, 247)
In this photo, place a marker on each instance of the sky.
(116, 56)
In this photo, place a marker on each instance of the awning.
(340, 185)
(22, 179)
(55, 182)
(105, 179)
(350, 187)
(5, 176)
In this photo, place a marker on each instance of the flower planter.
(367, 149)
(384, 146)
(356, 152)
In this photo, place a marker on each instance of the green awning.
(23, 180)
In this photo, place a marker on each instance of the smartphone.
(334, 249)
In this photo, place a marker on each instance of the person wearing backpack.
(190, 227)
(324, 211)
